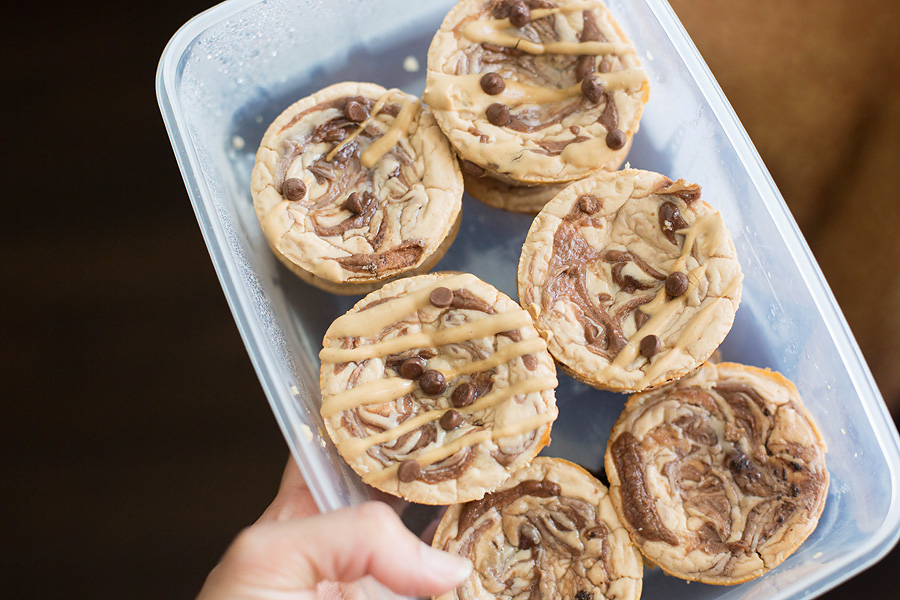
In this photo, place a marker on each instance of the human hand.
(293, 552)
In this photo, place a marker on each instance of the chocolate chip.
(592, 89)
(615, 139)
(412, 368)
(463, 395)
(519, 15)
(451, 420)
(676, 284)
(441, 297)
(588, 204)
(432, 382)
(529, 536)
(353, 204)
(408, 471)
(355, 111)
(294, 189)
(583, 595)
(492, 84)
(472, 169)
(650, 345)
(498, 114)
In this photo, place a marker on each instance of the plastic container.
(230, 71)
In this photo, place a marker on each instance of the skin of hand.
(294, 552)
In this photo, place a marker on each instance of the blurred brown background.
(136, 440)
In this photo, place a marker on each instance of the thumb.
(344, 545)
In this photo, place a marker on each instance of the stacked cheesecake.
(439, 389)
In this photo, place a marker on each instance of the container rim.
(865, 555)
(224, 263)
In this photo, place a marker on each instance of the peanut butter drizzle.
(505, 354)
(352, 448)
(373, 320)
(443, 89)
(378, 391)
(490, 325)
(399, 127)
(382, 391)
(710, 228)
(466, 441)
(388, 140)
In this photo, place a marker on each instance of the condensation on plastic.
(230, 71)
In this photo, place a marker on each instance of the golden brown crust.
(528, 199)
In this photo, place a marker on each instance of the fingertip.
(445, 569)
(413, 567)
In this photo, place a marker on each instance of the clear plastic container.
(230, 71)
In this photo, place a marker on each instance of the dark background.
(136, 440)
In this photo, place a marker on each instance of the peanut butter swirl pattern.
(719, 477)
(535, 91)
(436, 387)
(549, 532)
(632, 277)
(356, 184)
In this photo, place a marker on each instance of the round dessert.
(356, 185)
(720, 476)
(631, 277)
(535, 91)
(549, 532)
(435, 388)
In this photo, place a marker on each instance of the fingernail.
(445, 565)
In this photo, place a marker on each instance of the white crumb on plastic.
(258, 118)
(648, 55)
(411, 64)
(237, 142)
(306, 432)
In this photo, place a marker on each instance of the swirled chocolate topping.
(639, 505)
(550, 532)
(621, 257)
(473, 510)
(374, 202)
(735, 462)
